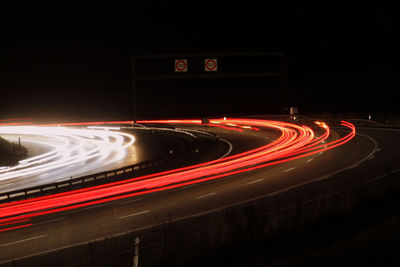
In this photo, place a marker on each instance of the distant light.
(103, 128)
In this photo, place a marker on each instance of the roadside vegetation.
(11, 153)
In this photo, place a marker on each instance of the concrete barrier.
(183, 241)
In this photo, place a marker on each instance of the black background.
(71, 59)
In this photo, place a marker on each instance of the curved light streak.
(68, 146)
(294, 142)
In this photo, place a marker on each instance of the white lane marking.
(309, 160)
(255, 181)
(23, 240)
(279, 191)
(355, 164)
(134, 214)
(49, 221)
(373, 156)
(206, 195)
(229, 149)
(288, 170)
(130, 201)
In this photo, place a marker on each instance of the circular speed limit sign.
(180, 65)
(210, 64)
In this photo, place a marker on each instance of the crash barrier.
(310, 121)
(217, 233)
(169, 132)
(190, 137)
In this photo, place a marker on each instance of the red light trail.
(294, 142)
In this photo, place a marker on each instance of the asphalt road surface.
(372, 152)
(145, 147)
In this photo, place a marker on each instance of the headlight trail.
(294, 142)
(67, 146)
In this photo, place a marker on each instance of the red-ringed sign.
(180, 65)
(210, 64)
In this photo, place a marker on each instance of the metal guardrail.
(102, 177)
(306, 120)
(131, 170)
(67, 185)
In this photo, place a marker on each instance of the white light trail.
(67, 146)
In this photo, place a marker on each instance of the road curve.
(58, 153)
(293, 157)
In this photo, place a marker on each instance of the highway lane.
(146, 147)
(362, 154)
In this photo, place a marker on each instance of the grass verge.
(11, 153)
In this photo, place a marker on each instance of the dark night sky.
(71, 59)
